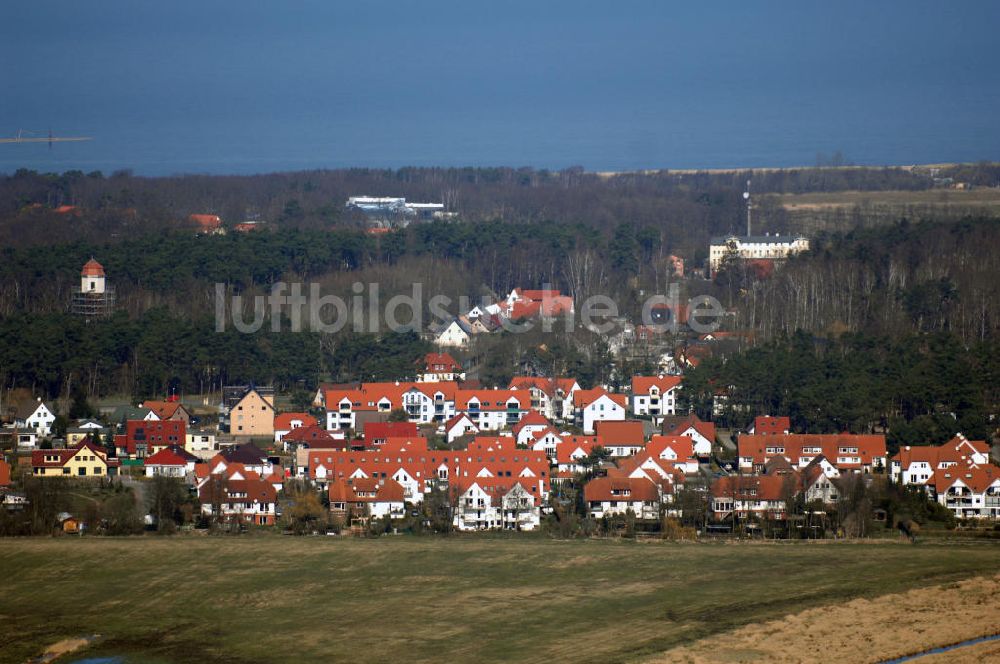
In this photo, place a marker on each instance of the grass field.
(844, 210)
(282, 599)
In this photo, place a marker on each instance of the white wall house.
(601, 409)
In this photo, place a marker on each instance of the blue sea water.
(227, 87)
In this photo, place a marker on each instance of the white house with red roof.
(970, 491)
(621, 439)
(862, 453)
(364, 498)
(496, 503)
(597, 405)
(700, 432)
(246, 501)
(677, 451)
(440, 367)
(607, 496)
(546, 441)
(572, 450)
(458, 426)
(530, 423)
(769, 425)
(752, 495)
(655, 395)
(492, 409)
(286, 422)
(916, 465)
(551, 397)
(171, 461)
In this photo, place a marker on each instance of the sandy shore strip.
(865, 630)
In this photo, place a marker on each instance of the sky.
(248, 87)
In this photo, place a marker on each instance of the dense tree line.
(59, 354)
(922, 388)
(923, 277)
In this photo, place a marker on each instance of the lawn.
(273, 598)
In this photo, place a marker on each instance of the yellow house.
(252, 416)
(83, 460)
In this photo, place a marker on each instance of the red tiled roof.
(168, 456)
(608, 489)
(628, 432)
(750, 487)
(868, 446)
(383, 430)
(642, 384)
(441, 363)
(683, 446)
(92, 269)
(766, 425)
(583, 398)
(570, 444)
(977, 478)
(283, 421)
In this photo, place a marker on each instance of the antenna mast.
(746, 197)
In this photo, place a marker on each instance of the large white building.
(755, 247)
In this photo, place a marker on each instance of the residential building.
(597, 405)
(365, 498)
(440, 367)
(252, 416)
(654, 395)
(754, 247)
(286, 422)
(847, 452)
(84, 460)
(245, 501)
(701, 433)
(36, 415)
(607, 496)
(621, 439)
(766, 425)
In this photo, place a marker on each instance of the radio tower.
(746, 197)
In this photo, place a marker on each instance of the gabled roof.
(682, 446)
(312, 436)
(628, 432)
(27, 408)
(455, 419)
(583, 398)
(248, 454)
(170, 456)
(550, 386)
(164, 409)
(531, 418)
(441, 363)
(283, 421)
(383, 430)
(642, 384)
(228, 490)
(767, 425)
(489, 399)
(976, 478)
(676, 424)
(571, 444)
(869, 447)
(608, 489)
(752, 487)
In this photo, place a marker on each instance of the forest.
(921, 388)
(900, 284)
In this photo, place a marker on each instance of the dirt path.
(865, 630)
